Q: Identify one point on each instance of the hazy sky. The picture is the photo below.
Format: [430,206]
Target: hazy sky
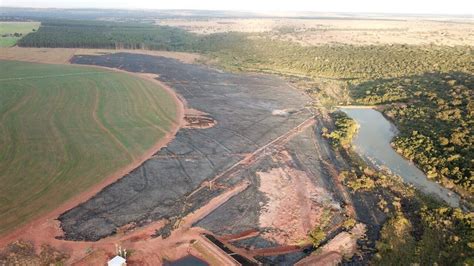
[385,6]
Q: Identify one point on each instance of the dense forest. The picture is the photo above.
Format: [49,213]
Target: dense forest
[116,35]
[345,62]
[443,236]
[96,34]
[419,230]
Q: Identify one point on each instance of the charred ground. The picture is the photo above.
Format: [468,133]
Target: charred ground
[242,105]
[248,141]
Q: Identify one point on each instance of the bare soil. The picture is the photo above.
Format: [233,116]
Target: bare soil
[292,205]
[360,31]
[64,55]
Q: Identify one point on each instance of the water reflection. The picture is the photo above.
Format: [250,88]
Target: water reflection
[372,143]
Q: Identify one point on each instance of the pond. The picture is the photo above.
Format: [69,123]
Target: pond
[372,143]
[186,261]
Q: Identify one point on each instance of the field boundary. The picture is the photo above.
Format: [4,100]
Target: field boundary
[92,191]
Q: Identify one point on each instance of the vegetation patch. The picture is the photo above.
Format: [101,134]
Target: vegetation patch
[447,238]
[344,61]
[24,253]
[65,128]
[319,233]
[345,129]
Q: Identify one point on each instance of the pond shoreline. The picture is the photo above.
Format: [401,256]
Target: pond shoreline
[373,143]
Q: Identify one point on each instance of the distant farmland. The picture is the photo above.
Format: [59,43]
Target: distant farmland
[11,32]
[65,128]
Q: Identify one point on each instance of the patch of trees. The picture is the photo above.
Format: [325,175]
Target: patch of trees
[319,233]
[357,182]
[419,230]
[345,129]
[446,238]
[364,178]
[435,115]
[16,35]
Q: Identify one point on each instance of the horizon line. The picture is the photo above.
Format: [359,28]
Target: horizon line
[466,15]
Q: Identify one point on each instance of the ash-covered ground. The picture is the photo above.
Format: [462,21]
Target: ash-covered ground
[242,105]
[292,182]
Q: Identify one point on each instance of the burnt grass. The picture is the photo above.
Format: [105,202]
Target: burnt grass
[242,106]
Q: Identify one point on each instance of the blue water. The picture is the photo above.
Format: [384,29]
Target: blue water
[372,143]
[187,261]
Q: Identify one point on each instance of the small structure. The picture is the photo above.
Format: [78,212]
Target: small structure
[117,261]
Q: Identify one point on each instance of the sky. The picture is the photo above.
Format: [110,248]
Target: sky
[372,6]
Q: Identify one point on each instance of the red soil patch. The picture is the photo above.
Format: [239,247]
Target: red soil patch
[242,235]
[294,203]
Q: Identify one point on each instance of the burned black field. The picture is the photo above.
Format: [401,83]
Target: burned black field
[263,127]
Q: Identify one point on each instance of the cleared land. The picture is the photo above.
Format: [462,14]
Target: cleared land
[321,31]
[65,128]
[63,55]
[8,29]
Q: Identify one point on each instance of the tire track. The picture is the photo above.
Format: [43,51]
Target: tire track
[119,144]
[51,76]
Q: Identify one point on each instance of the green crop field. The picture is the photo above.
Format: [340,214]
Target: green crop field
[65,128]
[8,29]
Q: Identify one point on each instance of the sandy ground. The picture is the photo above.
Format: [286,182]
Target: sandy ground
[63,55]
[38,55]
[188,58]
[336,31]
